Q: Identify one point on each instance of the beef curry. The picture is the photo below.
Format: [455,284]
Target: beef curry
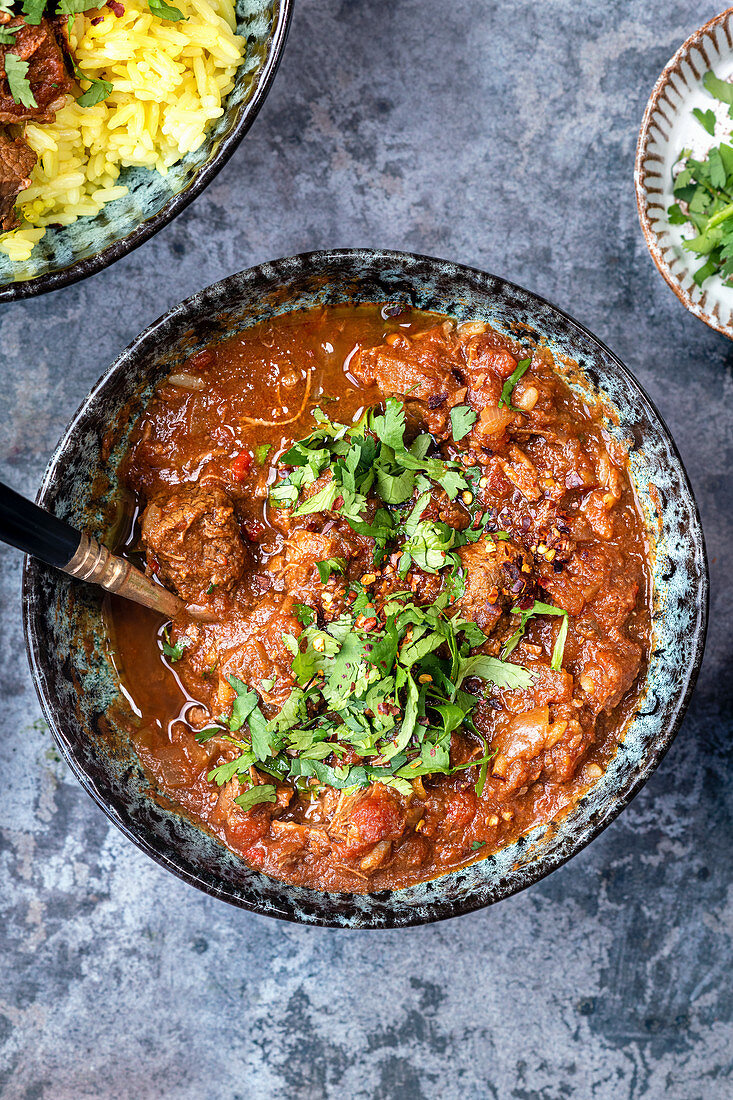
[420,585]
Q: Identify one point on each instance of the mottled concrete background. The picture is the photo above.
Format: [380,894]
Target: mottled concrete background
[502,135]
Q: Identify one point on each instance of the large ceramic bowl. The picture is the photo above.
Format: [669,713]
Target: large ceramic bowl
[69,647]
[70,253]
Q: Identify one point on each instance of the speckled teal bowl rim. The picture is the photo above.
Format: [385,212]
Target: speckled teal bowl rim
[226,147]
[678,644]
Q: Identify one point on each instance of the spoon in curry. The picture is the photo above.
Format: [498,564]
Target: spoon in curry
[34,531]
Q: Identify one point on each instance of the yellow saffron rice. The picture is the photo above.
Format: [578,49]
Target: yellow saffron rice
[169,81]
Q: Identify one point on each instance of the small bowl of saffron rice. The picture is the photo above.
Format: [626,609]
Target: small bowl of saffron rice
[110,175]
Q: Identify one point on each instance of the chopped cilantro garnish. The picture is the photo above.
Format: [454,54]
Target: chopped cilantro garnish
[202,736]
[97,92]
[370,454]
[719,89]
[174,652]
[7,35]
[538,608]
[392,694]
[706,119]
[32,11]
[331,565]
[462,420]
[383,681]
[508,387]
[703,191]
[166,11]
[475,844]
[263,792]
[261,452]
[73,7]
[20,88]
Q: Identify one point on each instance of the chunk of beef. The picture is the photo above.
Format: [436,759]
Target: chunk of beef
[248,645]
[531,745]
[497,574]
[193,537]
[419,370]
[366,824]
[44,48]
[486,363]
[609,670]
[295,570]
[16,164]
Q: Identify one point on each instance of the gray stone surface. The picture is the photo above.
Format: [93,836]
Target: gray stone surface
[502,135]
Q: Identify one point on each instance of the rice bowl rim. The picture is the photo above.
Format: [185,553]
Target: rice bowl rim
[91,265]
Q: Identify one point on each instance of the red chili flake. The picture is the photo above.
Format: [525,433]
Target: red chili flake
[338,502]
[97,21]
[241,465]
[116,8]
[154,565]
[525,603]
[254,530]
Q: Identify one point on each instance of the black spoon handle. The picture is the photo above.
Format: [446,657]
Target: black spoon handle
[31,529]
[37,532]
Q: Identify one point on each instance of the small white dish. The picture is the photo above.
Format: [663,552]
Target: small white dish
[668,127]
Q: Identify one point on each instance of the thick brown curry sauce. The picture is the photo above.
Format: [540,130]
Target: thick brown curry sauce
[552,479]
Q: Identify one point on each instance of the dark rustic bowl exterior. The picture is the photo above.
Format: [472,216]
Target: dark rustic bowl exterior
[68,254]
[67,639]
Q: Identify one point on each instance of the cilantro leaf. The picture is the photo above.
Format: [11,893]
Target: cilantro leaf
[502,674]
[428,545]
[706,119]
[263,792]
[20,88]
[7,35]
[719,89]
[329,566]
[174,652]
[320,501]
[244,703]
[98,91]
[33,11]
[395,488]
[539,608]
[166,11]
[202,736]
[508,387]
[73,7]
[390,428]
[303,613]
[462,419]
[224,773]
